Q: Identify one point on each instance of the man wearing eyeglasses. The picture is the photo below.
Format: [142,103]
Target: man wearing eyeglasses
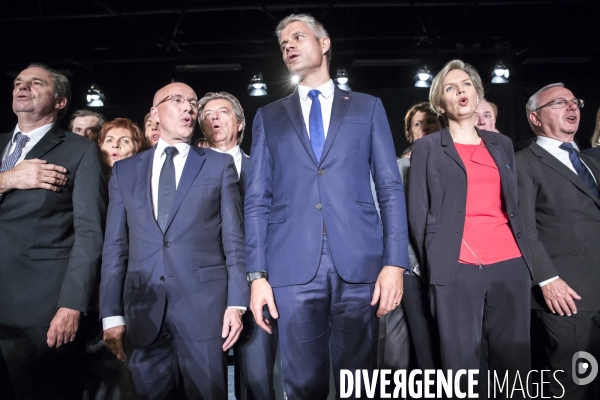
[173,271]
[560,205]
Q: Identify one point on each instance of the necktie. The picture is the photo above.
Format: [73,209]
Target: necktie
[315,124]
[581,169]
[166,187]
[10,161]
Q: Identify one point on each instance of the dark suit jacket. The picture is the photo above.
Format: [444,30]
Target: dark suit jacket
[562,224]
[243,182]
[198,263]
[593,152]
[290,194]
[437,198]
[51,242]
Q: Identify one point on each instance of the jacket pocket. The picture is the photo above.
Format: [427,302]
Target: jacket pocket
[49,253]
[278,214]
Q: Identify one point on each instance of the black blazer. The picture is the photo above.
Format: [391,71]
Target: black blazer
[437,198]
[562,224]
[593,152]
[51,242]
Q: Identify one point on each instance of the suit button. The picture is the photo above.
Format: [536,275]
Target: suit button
[319,206]
[321,171]
[167,244]
[512,215]
[518,235]
[162,278]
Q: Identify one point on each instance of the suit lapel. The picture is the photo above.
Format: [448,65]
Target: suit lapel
[144,185]
[4,140]
[491,145]
[448,147]
[193,164]
[341,101]
[565,171]
[244,174]
[51,139]
[292,107]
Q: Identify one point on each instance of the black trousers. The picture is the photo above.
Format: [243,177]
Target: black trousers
[38,372]
[493,302]
[562,337]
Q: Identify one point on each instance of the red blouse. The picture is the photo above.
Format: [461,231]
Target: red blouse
[486,232]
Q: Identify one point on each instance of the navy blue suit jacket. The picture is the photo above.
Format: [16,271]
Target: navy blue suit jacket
[290,195]
[198,263]
[437,198]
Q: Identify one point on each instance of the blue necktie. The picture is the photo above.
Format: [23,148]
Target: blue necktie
[315,124]
[11,160]
[166,187]
[581,169]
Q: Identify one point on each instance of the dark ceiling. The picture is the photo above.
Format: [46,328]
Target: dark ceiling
[131,48]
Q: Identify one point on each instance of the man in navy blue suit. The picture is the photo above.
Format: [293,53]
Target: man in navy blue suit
[173,261]
[318,255]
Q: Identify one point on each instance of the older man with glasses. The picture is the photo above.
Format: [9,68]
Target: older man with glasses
[560,205]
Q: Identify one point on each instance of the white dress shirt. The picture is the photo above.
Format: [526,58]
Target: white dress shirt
[34,137]
[236,153]
[552,146]
[326,100]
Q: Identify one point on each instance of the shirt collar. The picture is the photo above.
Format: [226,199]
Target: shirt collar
[182,148]
[235,152]
[326,90]
[35,134]
[546,142]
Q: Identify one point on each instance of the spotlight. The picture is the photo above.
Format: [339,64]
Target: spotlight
[295,79]
[257,86]
[500,74]
[423,78]
[341,79]
[95,97]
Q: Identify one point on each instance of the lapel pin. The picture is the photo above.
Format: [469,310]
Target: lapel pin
[346,97]
[507,166]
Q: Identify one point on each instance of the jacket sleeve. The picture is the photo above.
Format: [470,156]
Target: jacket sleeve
[418,197]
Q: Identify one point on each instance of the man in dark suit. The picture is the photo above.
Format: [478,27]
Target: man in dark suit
[222,121]
[173,266]
[315,244]
[52,213]
[558,198]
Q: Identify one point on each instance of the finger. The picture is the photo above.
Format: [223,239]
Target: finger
[261,322]
[48,186]
[272,307]
[229,340]
[376,292]
[36,161]
[51,336]
[550,306]
[574,294]
[226,328]
[560,306]
[52,167]
[572,308]
[121,355]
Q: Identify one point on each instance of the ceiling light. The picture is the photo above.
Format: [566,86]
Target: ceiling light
[423,78]
[95,97]
[341,79]
[500,74]
[257,86]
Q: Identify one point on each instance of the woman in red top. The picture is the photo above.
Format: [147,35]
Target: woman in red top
[468,232]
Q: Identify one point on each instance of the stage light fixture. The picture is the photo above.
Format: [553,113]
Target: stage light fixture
[423,78]
[95,97]
[257,86]
[341,79]
[500,74]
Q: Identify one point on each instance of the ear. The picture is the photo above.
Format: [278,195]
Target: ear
[60,103]
[325,44]
[535,118]
[154,114]
[240,125]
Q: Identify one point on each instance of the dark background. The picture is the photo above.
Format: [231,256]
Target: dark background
[132,48]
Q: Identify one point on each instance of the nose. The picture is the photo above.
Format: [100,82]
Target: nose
[572,105]
[480,121]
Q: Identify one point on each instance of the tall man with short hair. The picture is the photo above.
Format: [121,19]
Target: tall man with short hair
[52,214]
[560,205]
[87,123]
[173,264]
[222,121]
[318,254]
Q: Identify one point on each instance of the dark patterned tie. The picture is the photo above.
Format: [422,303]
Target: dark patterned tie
[581,169]
[315,124]
[10,161]
[166,187]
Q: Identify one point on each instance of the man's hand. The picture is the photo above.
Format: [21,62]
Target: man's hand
[388,290]
[63,327]
[559,297]
[33,174]
[262,294]
[114,338]
[232,327]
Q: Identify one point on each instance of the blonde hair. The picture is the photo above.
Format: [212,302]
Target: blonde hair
[596,135]
[435,93]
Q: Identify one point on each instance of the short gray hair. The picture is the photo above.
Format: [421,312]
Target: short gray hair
[534,103]
[315,26]
[435,93]
[235,103]
[87,113]
[62,86]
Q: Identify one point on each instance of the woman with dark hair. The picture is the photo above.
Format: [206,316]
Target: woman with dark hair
[119,139]
[468,233]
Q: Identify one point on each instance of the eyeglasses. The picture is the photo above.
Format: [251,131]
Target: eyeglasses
[179,100]
[562,103]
